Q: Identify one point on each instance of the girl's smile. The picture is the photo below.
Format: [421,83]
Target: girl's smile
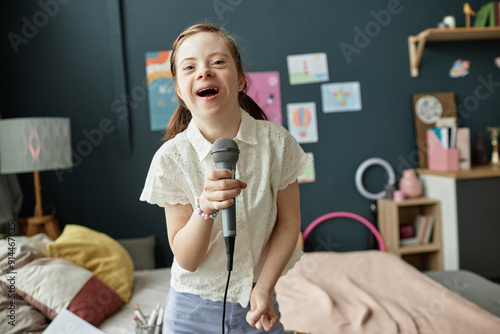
[209,92]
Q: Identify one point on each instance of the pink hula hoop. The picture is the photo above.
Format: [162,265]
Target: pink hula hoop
[340,214]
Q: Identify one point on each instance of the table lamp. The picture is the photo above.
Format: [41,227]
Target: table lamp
[35,145]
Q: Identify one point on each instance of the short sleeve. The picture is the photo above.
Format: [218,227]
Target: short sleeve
[294,161]
[162,184]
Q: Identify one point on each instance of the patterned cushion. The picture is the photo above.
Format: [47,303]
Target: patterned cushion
[99,253]
[51,285]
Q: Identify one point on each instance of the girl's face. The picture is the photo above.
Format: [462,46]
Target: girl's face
[207,79]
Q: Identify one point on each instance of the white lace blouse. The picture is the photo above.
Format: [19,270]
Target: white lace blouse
[270,159]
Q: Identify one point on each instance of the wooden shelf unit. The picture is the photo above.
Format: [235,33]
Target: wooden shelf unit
[416,44]
[391,215]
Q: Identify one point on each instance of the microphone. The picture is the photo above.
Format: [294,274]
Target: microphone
[225,153]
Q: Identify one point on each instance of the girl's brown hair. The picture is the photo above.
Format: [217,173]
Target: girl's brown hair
[182,116]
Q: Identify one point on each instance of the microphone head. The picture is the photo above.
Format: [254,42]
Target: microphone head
[225,150]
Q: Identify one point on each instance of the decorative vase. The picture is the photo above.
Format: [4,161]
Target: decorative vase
[410,184]
[479,155]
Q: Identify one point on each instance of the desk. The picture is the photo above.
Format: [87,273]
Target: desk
[470,207]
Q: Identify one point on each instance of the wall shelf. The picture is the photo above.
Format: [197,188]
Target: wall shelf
[416,44]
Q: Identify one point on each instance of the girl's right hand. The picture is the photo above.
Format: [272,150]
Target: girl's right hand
[219,190]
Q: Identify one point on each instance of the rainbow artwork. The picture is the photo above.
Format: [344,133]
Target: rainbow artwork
[302,121]
[161,91]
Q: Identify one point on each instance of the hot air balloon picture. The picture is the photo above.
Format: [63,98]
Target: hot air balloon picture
[342,96]
[302,122]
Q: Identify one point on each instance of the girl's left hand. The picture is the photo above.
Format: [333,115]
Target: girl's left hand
[262,314]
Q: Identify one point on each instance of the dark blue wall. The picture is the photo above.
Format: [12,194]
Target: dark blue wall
[63,67]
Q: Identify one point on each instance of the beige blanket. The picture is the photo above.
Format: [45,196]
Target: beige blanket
[373,292]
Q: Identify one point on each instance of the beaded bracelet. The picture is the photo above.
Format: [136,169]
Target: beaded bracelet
[201,213]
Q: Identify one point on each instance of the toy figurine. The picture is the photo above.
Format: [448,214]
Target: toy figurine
[468,12]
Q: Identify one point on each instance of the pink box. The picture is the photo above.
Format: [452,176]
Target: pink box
[440,158]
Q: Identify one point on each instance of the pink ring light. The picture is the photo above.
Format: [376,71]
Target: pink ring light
[354,216]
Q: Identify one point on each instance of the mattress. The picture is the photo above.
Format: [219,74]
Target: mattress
[477,289]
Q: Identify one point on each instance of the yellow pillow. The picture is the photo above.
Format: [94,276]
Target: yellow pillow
[99,253]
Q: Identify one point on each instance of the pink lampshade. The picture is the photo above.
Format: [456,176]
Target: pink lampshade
[34,144]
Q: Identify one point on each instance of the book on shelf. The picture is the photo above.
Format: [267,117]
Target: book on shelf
[463,146]
[413,241]
[488,15]
[428,227]
[423,226]
[447,136]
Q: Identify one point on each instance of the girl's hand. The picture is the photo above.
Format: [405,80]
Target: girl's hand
[219,191]
[262,314]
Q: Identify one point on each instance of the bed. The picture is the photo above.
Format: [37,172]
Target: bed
[326,292]
[345,301]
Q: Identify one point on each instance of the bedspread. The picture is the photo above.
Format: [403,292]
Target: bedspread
[373,292]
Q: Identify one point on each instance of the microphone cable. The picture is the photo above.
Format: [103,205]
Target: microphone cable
[224,305]
[229,253]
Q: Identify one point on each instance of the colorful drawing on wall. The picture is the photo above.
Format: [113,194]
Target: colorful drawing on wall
[309,174]
[265,89]
[307,68]
[341,96]
[302,122]
[161,91]
[459,69]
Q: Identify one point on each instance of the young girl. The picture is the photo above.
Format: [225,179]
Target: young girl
[210,85]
